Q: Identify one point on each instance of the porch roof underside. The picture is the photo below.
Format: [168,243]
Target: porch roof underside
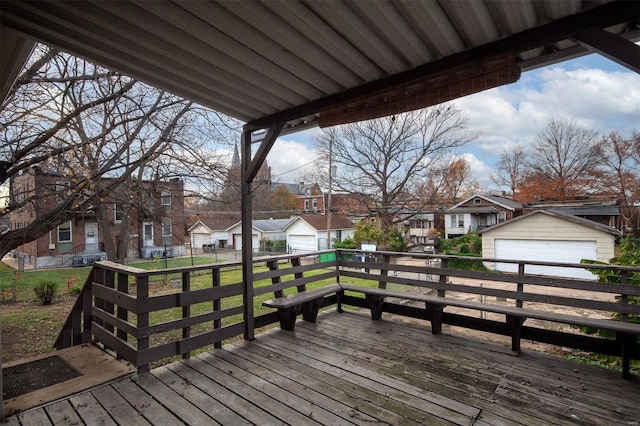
[305,63]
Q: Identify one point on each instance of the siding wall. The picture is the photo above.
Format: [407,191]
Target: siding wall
[544,227]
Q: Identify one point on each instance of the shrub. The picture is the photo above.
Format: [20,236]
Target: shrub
[395,241]
[75,290]
[347,243]
[45,291]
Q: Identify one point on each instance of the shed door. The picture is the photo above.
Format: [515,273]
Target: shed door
[302,243]
[237,242]
[546,251]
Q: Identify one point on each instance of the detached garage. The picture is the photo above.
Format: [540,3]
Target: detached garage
[549,236]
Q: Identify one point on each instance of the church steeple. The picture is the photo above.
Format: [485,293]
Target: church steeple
[235,163]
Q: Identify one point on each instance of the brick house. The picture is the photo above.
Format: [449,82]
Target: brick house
[311,199]
[156,219]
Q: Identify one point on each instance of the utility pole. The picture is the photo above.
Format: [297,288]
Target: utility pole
[328,206]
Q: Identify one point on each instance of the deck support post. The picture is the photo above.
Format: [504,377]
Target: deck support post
[249,170]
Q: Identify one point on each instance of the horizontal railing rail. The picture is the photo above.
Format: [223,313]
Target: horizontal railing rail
[148,316]
[549,298]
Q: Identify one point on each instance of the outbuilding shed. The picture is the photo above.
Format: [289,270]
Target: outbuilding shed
[309,233]
[549,236]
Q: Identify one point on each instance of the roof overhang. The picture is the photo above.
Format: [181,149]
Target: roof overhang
[303,63]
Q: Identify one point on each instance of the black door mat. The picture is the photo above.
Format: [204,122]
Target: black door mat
[31,376]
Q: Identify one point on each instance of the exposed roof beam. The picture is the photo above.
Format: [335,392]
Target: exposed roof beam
[603,16]
[569,53]
[14,52]
[611,46]
[263,150]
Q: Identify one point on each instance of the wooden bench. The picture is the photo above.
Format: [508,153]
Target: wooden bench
[307,302]
[626,332]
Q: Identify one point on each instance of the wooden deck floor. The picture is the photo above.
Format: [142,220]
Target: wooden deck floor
[346,369]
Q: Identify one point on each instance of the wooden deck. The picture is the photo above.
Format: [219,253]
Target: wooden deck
[347,369]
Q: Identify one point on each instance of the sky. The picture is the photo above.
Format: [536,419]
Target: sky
[593,91]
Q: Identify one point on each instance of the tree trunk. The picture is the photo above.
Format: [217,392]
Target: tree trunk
[105,227]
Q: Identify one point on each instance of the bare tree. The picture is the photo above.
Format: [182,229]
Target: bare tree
[380,159]
[510,170]
[564,154]
[619,173]
[101,131]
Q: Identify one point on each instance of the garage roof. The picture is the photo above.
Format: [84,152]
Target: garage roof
[305,62]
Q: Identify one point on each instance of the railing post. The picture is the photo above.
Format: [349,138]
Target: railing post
[386,259]
[624,298]
[520,288]
[99,278]
[123,314]
[443,278]
[186,310]
[337,264]
[295,262]
[142,286]
[217,324]
[109,282]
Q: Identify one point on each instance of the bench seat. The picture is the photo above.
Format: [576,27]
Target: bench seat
[307,302]
[626,332]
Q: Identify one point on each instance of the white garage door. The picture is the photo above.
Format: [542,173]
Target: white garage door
[546,251]
[302,243]
[200,239]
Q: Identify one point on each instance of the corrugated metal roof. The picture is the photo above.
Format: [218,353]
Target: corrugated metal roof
[271,225]
[254,60]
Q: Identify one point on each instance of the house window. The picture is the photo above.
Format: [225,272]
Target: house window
[476,201]
[117,212]
[166,232]
[64,232]
[166,198]
[62,188]
[315,204]
[306,205]
[502,217]
[454,220]
[461,221]
[166,228]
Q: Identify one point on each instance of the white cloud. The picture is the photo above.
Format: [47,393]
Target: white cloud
[288,158]
[480,171]
[514,115]
[604,100]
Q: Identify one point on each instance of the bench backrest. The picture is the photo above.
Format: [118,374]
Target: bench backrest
[521,289]
[288,272]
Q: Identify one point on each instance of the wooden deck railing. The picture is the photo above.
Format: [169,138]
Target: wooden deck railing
[146,316]
[481,299]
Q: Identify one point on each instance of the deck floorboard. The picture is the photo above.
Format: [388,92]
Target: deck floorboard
[346,369]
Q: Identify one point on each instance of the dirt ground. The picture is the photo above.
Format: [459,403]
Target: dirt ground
[34,327]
